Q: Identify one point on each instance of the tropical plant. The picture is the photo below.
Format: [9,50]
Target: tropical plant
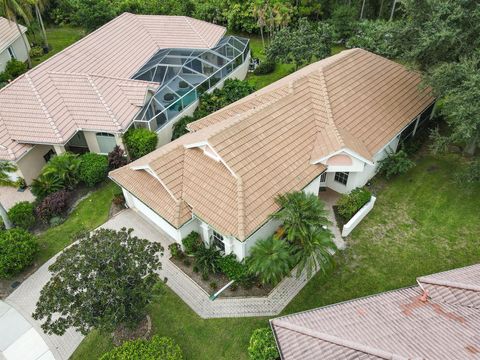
[140,142]
[39,6]
[343,21]
[53,205]
[104,280]
[93,168]
[6,167]
[315,252]
[12,10]
[299,212]
[157,348]
[206,259]
[175,250]
[116,158]
[262,345]
[17,250]
[395,163]
[302,44]
[192,242]
[349,204]
[270,259]
[233,269]
[45,184]
[64,167]
[22,215]
[14,68]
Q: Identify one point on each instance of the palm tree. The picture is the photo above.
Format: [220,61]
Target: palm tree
[12,9]
[270,260]
[6,167]
[299,212]
[4,216]
[39,6]
[64,167]
[363,8]
[260,12]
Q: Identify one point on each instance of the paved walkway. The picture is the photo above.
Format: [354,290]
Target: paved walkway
[24,299]
[192,293]
[9,196]
[330,198]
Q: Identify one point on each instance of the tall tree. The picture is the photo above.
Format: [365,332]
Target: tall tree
[12,10]
[39,6]
[260,13]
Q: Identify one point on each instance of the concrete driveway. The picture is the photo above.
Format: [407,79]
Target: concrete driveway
[9,196]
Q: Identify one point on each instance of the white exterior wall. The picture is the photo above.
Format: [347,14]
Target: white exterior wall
[19,51]
[92,142]
[30,164]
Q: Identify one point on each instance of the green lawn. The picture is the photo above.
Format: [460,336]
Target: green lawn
[59,38]
[89,214]
[423,222]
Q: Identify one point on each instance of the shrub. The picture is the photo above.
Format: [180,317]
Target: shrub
[265,67]
[157,348]
[64,168]
[116,158]
[140,142]
[233,269]
[270,260]
[262,345]
[395,164]
[206,259]
[46,184]
[22,215]
[15,68]
[119,200]
[344,21]
[180,127]
[93,168]
[205,276]
[52,205]
[36,52]
[192,243]
[213,285]
[175,250]
[349,204]
[17,250]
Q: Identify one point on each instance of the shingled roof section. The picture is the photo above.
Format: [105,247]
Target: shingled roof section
[400,324]
[269,142]
[8,33]
[87,86]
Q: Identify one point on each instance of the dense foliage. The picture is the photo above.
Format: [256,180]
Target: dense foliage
[93,168]
[17,250]
[233,269]
[262,345]
[344,22]
[232,90]
[395,163]
[6,168]
[53,205]
[191,243]
[377,36]
[207,259]
[349,204]
[157,348]
[140,142]
[116,158]
[13,69]
[302,44]
[104,280]
[22,215]
[265,67]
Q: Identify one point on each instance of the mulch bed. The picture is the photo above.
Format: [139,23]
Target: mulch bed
[142,331]
[220,280]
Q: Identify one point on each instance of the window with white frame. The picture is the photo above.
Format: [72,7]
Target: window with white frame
[11,53]
[341,177]
[217,241]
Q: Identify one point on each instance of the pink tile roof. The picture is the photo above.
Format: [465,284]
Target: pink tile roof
[87,85]
[399,324]
[8,33]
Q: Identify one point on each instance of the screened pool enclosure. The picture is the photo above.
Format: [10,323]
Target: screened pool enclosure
[184,74]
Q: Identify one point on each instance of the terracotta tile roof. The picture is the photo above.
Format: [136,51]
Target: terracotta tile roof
[267,143]
[8,33]
[399,324]
[87,86]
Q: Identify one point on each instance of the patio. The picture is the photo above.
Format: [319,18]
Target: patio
[9,196]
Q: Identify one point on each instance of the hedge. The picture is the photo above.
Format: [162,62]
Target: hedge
[93,168]
[140,142]
[158,348]
[262,345]
[349,204]
[17,250]
[22,215]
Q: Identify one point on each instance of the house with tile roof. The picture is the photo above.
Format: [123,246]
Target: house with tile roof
[437,320]
[11,43]
[326,125]
[137,70]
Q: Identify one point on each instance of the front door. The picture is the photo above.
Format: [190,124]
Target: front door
[323,181]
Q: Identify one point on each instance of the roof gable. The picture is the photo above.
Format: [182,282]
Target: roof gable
[9,33]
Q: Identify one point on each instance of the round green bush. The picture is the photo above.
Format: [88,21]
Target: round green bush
[262,345]
[36,52]
[349,204]
[22,215]
[265,67]
[17,250]
[140,142]
[158,348]
[93,168]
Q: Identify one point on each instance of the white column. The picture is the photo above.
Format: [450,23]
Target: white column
[228,245]
[59,149]
[416,125]
[205,233]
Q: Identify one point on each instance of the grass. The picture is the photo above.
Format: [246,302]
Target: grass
[423,222]
[59,38]
[89,214]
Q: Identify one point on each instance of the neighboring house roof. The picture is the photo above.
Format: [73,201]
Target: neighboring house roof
[87,86]
[269,142]
[8,33]
[401,324]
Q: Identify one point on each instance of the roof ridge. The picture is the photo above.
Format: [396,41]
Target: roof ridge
[105,105]
[101,76]
[44,107]
[339,341]
[187,19]
[137,20]
[240,208]
[428,279]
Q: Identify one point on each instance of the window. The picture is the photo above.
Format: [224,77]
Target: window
[341,177]
[106,142]
[11,53]
[49,155]
[217,241]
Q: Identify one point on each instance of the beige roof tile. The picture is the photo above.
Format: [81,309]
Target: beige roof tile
[268,141]
[399,324]
[8,33]
[87,86]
